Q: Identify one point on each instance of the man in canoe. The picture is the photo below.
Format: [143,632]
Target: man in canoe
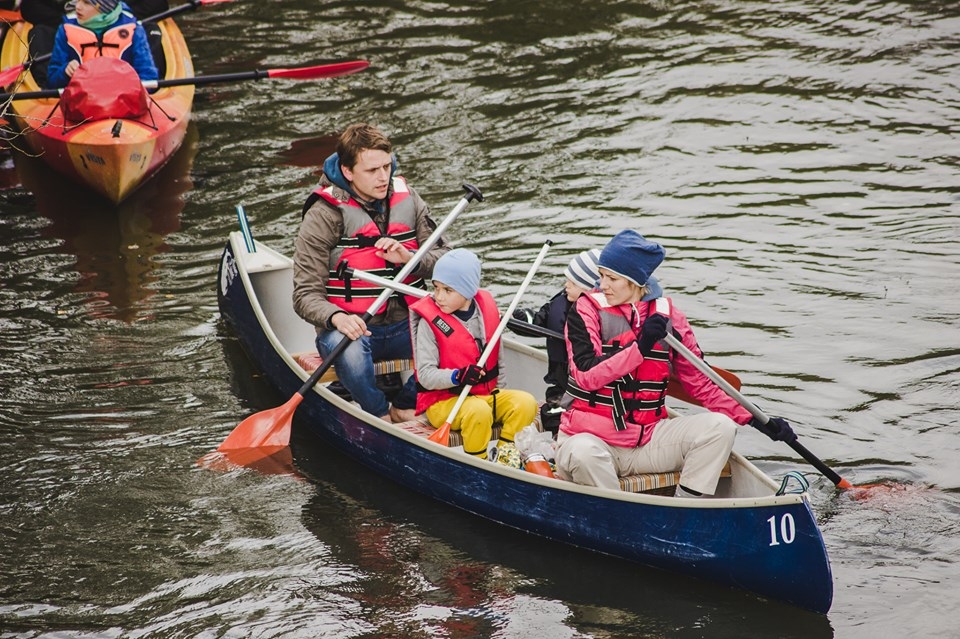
[101,28]
[364,214]
[616,424]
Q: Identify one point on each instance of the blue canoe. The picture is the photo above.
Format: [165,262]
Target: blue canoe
[747,537]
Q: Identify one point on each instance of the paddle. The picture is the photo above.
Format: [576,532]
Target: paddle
[271,428]
[674,388]
[301,73]
[12,73]
[674,343]
[442,434]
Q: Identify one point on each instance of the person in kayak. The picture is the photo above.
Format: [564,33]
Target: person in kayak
[582,277]
[451,329]
[365,214]
[616,423]
[46,16]
[101,28]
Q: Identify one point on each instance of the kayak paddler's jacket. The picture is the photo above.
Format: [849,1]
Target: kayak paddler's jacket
[443,343]
[602,351]
[319,246]
[125,39]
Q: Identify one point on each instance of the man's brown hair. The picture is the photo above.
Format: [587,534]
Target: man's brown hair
[358,137]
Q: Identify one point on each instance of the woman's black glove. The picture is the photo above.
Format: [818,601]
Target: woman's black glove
[469,375]
[776,429]
[654,329]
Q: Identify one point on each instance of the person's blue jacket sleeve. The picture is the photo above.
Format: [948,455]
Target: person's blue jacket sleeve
[61,55]
[140,57]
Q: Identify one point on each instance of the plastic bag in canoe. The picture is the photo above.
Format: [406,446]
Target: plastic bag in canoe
[103,88]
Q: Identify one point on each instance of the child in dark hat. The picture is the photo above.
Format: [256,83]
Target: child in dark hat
[582,276]
[450,331]
[99,28]
[616,423]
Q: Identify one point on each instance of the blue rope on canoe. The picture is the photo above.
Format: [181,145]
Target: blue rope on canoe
[800,479]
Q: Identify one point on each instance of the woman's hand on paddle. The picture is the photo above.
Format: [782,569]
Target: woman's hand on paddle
[654,329]
[350,325]
[393,251]
[777,429]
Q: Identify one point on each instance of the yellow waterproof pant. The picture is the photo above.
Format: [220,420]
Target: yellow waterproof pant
[476,417]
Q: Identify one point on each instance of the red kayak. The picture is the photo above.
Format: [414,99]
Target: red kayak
[112,148]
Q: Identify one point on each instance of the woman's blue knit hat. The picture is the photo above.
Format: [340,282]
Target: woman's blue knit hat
[632,256]
[460,270]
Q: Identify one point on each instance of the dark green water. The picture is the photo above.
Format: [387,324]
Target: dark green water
[798,160]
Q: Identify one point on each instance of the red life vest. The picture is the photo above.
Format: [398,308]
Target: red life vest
[356,246]
[111,44]
[458,348]
[636,401]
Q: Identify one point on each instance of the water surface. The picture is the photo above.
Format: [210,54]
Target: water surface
[797,159]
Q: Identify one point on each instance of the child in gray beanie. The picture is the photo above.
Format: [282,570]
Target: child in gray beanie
[450,331]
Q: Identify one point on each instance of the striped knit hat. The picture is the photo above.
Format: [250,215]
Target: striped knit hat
[582,270]
[105,6]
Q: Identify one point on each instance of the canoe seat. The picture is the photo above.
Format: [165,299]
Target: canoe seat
[659,483]
[422,428]
[311,361]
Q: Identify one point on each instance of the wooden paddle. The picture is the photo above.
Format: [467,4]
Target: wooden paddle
[301,73]
[271,428]
[674,343]
[442,434]
[674,388]
[12,73]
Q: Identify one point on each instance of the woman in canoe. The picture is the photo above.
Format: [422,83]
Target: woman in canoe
[616,424]
[582,277]
[101,28]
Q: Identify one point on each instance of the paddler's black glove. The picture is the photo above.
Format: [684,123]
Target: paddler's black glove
[776,429]
[523,315]
[468,375]
[654,329]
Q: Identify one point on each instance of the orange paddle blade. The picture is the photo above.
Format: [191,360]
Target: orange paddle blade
[266,428]
[268,460]
[321,71]
[676,390]
[441,435]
